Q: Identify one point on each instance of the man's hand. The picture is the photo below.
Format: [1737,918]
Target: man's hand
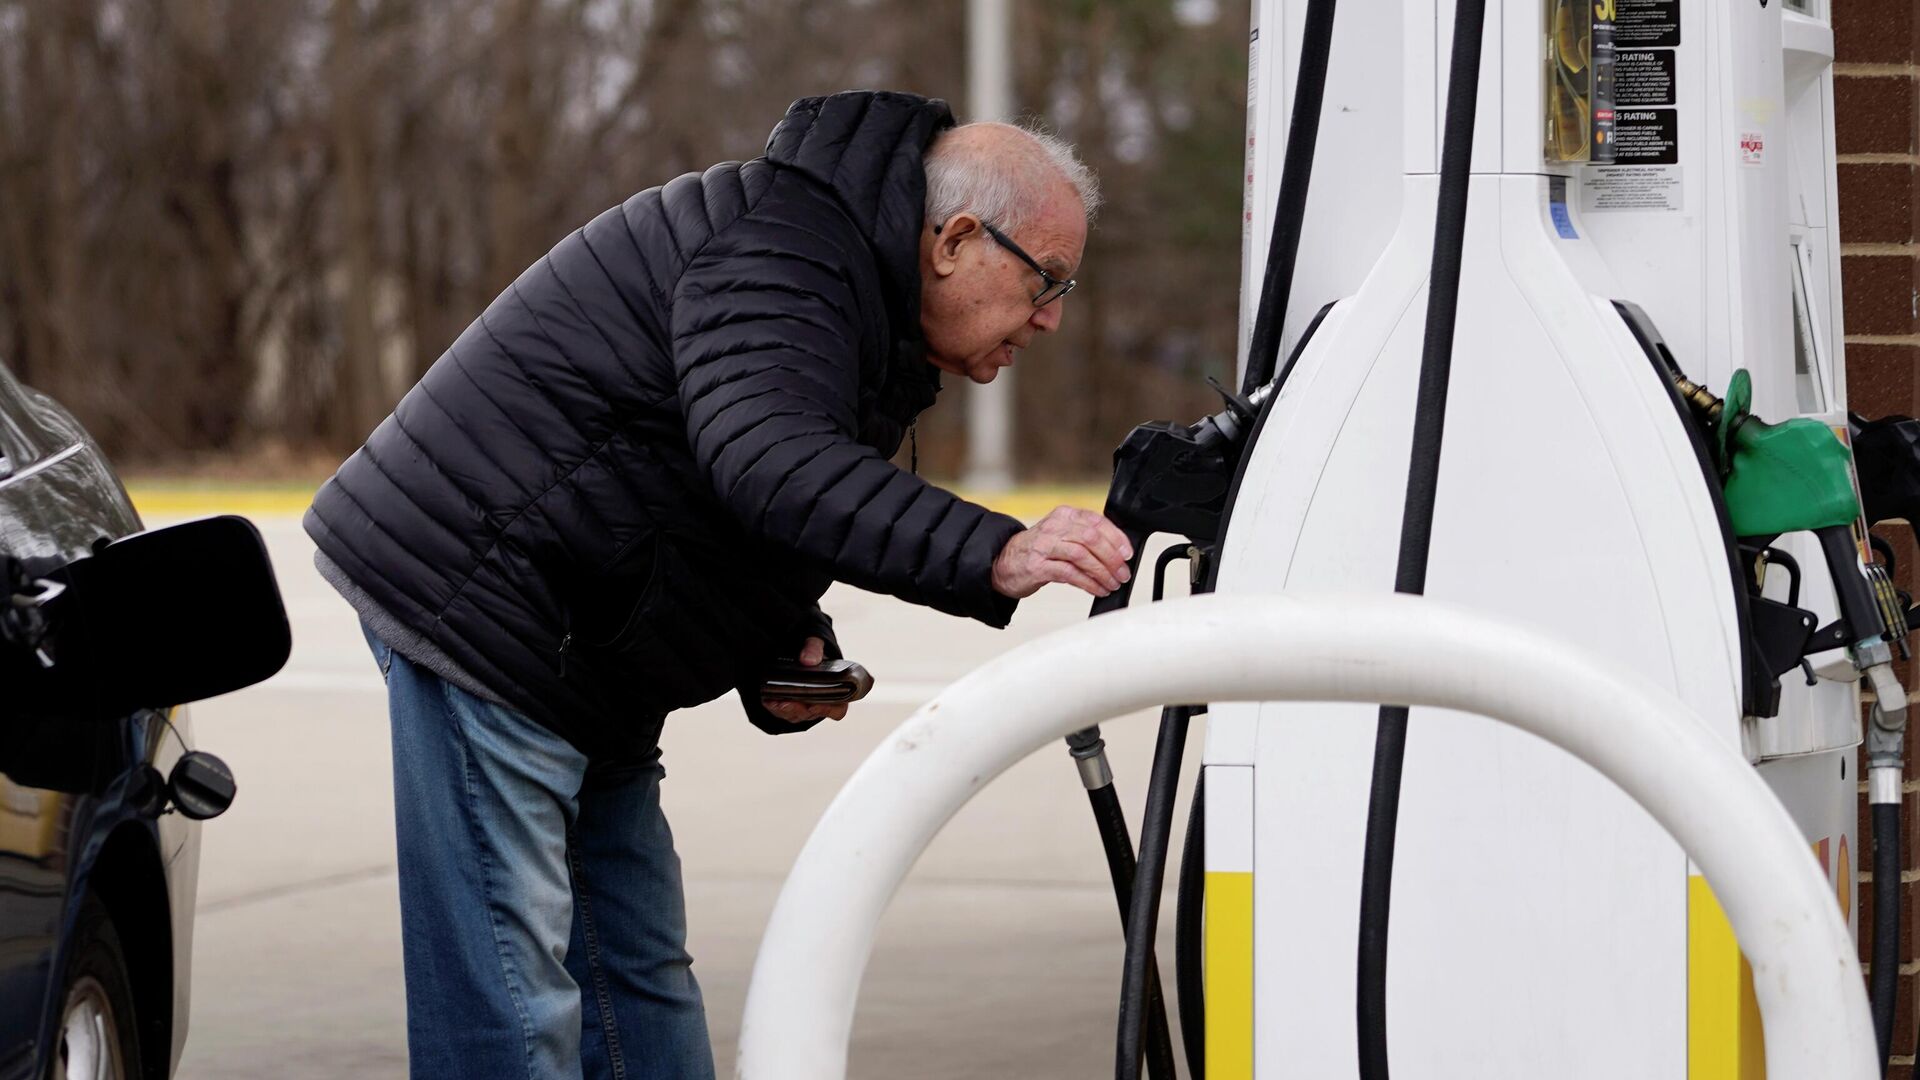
[799,712]
[1077,547]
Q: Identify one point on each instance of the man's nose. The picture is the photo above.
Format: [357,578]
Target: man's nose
[1046,318]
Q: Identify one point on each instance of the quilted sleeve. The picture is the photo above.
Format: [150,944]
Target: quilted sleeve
[766,356]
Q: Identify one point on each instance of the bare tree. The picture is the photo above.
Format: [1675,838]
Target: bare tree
[224,222]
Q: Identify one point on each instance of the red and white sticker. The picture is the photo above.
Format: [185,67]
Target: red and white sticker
[1753,148]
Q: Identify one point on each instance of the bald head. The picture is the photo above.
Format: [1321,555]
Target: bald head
[1003,173]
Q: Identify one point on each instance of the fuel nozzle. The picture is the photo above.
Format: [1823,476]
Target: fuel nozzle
[1887,456]
[1872,653]
[1174,478]
[1701,400]
[1797,476]
[1233,423]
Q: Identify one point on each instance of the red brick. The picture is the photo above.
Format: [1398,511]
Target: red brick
[1909,895]
[1876,203]
[1880,204]
[1873,31]
[1874,114]
[1906,555]
[1879,291]
[1903,1026]
[1881,378]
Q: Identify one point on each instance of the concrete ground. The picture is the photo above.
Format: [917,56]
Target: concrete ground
[1000,957]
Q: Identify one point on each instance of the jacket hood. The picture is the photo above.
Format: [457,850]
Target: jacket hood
[866,147]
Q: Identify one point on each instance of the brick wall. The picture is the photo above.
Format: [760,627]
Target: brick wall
[1876,103]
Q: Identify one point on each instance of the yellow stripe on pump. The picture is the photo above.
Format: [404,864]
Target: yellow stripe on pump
[1229,975]
[1723,1017]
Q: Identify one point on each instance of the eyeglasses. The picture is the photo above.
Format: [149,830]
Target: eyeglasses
[1054,288]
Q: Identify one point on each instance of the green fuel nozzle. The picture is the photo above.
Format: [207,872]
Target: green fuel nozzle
[1797,476]
[1788,477]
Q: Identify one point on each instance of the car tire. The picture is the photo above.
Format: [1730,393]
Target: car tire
[96,1034]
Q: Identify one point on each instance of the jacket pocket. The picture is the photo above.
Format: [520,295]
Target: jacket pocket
[683,631]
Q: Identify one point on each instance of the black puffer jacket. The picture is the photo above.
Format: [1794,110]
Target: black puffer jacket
[626,485]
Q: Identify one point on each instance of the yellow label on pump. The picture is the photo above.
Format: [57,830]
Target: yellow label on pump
[1723,1016]
[1229,949]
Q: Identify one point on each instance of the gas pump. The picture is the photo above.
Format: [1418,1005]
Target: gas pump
[1651,197]
[1566,354]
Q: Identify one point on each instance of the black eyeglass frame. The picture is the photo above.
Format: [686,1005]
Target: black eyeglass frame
[1054,288]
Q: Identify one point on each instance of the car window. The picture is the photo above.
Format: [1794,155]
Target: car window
[18,447]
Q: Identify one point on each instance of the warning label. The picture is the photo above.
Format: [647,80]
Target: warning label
[1646,23]
[1642,77]
[1608,188]
[1646,136]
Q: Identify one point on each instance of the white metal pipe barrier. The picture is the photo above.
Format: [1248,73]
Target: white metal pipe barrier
[1380,648]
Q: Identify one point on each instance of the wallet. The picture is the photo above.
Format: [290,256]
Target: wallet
[831,683]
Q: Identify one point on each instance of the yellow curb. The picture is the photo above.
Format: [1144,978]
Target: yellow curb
[1033,503]
[163,501]
[177,501]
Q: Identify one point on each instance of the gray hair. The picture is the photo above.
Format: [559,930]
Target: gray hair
[1002,185]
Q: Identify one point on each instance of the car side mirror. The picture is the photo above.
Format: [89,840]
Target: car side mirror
[156,619]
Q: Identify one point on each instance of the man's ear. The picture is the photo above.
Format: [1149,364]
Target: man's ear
[948,238]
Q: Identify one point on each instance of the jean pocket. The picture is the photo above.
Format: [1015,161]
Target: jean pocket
[382,652]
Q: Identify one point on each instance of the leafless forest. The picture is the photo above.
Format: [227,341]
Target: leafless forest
[239,229]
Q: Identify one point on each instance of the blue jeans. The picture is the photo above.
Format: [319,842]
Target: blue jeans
[541,913]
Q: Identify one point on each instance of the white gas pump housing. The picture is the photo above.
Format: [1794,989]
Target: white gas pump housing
[1539,915]
[806,979]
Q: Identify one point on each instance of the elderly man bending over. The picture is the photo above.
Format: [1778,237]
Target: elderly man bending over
[623,490]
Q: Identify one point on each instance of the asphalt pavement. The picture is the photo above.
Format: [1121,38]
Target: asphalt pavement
[1000,956]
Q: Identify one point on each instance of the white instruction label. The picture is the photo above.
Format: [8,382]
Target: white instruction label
[1641,188]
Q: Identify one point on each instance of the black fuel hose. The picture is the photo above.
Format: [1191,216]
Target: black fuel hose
[1189,985]
[1142,1010]
[1885,977]
[1416,522]
[1140,971]
[1276,286]
[1121,867]
[1089,749]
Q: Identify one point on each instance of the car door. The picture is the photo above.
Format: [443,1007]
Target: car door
[57,497]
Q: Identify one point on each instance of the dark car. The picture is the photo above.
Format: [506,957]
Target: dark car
[105,630]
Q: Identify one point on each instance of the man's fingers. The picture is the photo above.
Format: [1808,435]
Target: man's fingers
[1100,542]
[1089,563]
[799,712]
[1102,536]
[1068,574]
[1110,534]
[1070,546]
[814,651]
